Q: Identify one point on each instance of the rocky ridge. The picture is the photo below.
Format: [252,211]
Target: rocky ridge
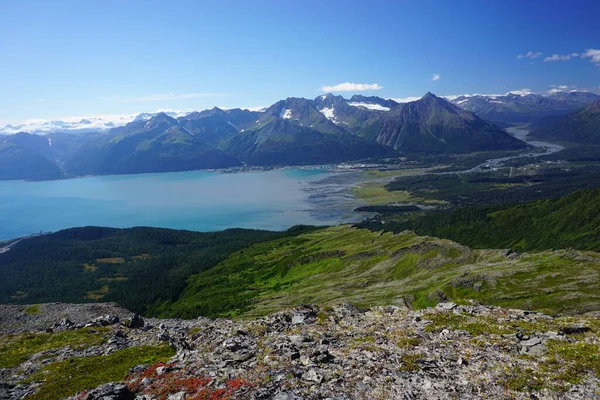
[467,351]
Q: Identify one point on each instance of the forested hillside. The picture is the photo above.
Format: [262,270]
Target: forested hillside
[571,221]
[135,267]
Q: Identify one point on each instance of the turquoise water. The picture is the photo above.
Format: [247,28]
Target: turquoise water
[195,200]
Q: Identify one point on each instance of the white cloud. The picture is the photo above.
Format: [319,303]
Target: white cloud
[565,88]
[530,54]
[351,87]
[560,88]
[556,57]
[404,99]
[521,92]
[162,97]
[435,77]
[593,54]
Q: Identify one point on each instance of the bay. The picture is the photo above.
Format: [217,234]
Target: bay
[194,200]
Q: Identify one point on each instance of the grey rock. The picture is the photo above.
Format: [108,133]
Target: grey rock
[286,396]
[575,328]
[138,368]
[146,381]
[177,396]
[447,306]
[530,342]
[535,350]
[109,391]
[242,356]
[136,321]
[162,370]
[312,376]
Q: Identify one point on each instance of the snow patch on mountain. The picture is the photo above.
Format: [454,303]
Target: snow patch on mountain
[329,113]
[370,106]
[285,113]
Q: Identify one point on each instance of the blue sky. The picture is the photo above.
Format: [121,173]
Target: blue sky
[65,57]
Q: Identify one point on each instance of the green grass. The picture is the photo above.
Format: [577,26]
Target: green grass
[565,364]
[409,362]
[476,326]
[33,310]
[66,378]
[16,349]
[373,193]
[346,264]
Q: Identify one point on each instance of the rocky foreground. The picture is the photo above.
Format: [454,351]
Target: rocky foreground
[452,351]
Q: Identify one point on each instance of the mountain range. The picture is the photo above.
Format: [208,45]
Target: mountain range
[294,131]
[512,109]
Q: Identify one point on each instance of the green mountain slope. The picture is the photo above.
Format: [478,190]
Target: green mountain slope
[240,273]
[345,264]
[158,145]
[570,221]
[434,125]
[293,131]
[582,127]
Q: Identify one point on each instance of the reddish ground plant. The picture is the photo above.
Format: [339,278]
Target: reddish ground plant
[175,381]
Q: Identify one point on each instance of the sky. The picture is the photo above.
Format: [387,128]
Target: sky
[63,58]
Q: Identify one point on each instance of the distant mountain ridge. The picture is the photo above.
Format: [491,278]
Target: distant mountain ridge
[294,131]
[160,144]
[509,108]
[518,109]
